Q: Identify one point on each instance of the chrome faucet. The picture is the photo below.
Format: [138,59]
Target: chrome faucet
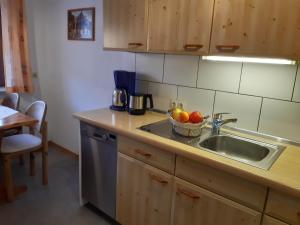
[218,122]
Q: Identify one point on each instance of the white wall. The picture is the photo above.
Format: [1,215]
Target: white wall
[74,75]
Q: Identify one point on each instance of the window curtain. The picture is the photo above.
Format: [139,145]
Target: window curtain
[17,66]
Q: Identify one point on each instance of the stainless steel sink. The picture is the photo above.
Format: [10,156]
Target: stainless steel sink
[251,152]
[248,151]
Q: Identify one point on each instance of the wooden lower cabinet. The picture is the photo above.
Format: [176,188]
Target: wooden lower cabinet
[144,193]
[196,206]
[271,221]
[283,207]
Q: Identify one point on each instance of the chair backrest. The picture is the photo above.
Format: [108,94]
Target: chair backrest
[38,111]
[12,101]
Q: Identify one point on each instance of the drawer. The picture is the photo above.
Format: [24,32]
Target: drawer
[284,207]
[271,221]
[151,155]
[225,184]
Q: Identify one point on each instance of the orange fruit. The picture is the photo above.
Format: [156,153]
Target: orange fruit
[184,117]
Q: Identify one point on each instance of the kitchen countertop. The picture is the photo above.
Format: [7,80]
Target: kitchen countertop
[284,175]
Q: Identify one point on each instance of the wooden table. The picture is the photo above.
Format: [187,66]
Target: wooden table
[10,119]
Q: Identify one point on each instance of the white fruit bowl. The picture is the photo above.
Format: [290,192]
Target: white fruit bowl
[187,129]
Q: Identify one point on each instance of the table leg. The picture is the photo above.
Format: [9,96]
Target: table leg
[8,183]
[17,191]
[45,154]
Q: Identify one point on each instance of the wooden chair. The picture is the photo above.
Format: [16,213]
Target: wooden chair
[18,145]
[12,101]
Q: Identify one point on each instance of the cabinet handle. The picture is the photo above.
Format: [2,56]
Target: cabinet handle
[135,45]
[187,193]
[158,179]
[142,153]
[227,48]
[298,214]
[192,48]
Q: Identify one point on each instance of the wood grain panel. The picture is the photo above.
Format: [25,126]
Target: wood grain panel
[148,154]
[17,65]
[180,25]
[284,207]
[235,188]
[2,80]
[144,194]
[256,28]
[197,206]
[126,24]
[271,221]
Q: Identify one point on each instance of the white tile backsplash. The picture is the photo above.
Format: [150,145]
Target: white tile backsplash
[223,76]
[141,86]
[273,81]
[296,96]
[245,108]
[163,95]
[181,70]
[150,67]
[196,99]
[236,86]
[280,118]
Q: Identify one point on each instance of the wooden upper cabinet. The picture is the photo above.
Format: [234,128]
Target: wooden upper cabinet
[196,206]
[126,24]
[269,28]
[180,25]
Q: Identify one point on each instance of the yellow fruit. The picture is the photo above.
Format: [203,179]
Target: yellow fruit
[175,114]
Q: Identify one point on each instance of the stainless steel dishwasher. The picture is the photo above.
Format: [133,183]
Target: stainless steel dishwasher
[99,168]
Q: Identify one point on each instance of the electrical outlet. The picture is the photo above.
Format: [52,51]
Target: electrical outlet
[180,105]
[176,104]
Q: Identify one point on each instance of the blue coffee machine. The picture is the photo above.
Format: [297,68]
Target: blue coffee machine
[125,86]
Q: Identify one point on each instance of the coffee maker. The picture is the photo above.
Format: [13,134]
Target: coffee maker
[124,87]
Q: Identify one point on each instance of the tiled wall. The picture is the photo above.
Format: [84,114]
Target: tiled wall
[264,98]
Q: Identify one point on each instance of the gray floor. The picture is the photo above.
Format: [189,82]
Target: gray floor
[55,204]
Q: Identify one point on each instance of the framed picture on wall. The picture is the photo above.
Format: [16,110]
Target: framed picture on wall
[81,24]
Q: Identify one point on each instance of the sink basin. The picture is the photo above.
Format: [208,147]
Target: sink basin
[236,148]
[252,152]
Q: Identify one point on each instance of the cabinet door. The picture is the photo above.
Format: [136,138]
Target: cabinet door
[180,25]
[125,24]
[284,207]
[144,194]
[256,28]
[271,221]
[197,206]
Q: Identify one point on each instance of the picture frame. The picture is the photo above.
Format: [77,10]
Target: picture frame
[81,24]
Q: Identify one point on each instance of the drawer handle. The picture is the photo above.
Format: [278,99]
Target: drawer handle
[227,48]
[158,179]
[135,45]
[187,193]
[142,153]
[192,48]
